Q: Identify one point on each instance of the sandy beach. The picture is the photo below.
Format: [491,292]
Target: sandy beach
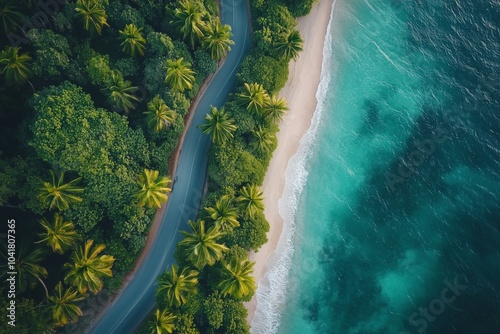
[300,92]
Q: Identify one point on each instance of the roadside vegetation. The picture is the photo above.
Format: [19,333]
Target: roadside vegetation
[92,104]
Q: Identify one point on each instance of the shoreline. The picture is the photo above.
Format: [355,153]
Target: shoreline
[300,93]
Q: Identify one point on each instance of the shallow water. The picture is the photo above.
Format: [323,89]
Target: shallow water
[392,203]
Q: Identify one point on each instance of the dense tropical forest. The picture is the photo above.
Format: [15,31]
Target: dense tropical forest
[93,100]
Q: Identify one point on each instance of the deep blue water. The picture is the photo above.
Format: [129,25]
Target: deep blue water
[397,220]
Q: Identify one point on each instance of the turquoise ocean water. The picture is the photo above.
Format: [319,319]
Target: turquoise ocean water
[392,203]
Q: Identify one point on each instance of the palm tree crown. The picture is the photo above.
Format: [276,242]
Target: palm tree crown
[28,268]
[14,66]
[224,214]
[253,98]
[201,247]
[238,280]
[289,46]
[190,20]
[120,92]
[132,40]
[159,115]
[275,108]
[250,200]
[177,287]
[64,308]
[219,125]
[153,188]
[162,323]
[93,15]
[218,39]
[180,76]
[10,15]
[262,141]
[87,268]
[60,236]
[59,194]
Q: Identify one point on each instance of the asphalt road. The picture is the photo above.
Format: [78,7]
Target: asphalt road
[137,299]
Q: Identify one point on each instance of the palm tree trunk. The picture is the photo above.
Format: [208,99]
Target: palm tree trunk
[44,286]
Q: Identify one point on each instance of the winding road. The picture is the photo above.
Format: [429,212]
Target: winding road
[137,299]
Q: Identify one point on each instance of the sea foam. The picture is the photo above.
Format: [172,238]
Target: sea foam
[272,290]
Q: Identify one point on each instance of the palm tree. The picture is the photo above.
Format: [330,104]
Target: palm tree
[59,194]
[189,17]
[154,188]
[27,266]
[87,268]
[275,108]
[93,15]
[64,307]
[237,278]
[218,39]
[120,92]
[250,200]
[200,247]
[159,115]
[180,76]
[15,66]
[224,214]
[218,125]
[60,236]
[262,141]
[132,40]
[162,323]
[10,15]
[177,287]
[289,46]
[254,98]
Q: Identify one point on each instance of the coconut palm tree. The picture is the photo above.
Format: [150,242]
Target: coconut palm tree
[201,247]
[93,15]
[180,76]
[289,46]
[27,266]
[237,278]
[64,307]
[263,140]
[250,200]
[162,323]
[14,66]
[218,125]
[159,115]
[120,92]
[275,108]
[218,39]
[153,188]
[60,236]
[132,40]
[177,287]
[87,268]
[189,18]
[253,98]
[224,214]
[59,194]
[10,15]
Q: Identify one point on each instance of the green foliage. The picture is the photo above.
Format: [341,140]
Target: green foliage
[179,76]
[253,98]
[98,69]
[190,18]
[203,65]
[153,188]
[120,92]
[10,16]
[289,46]
[159,115]
[35,319]
[60,195]
[232,166]
[122,14]
[237,279]
[127,67]
[163,322]
[299,7]
[175,286]
[218,39]
[271,73]
[63,304]
[184,324]
[251,234]
[52,53]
